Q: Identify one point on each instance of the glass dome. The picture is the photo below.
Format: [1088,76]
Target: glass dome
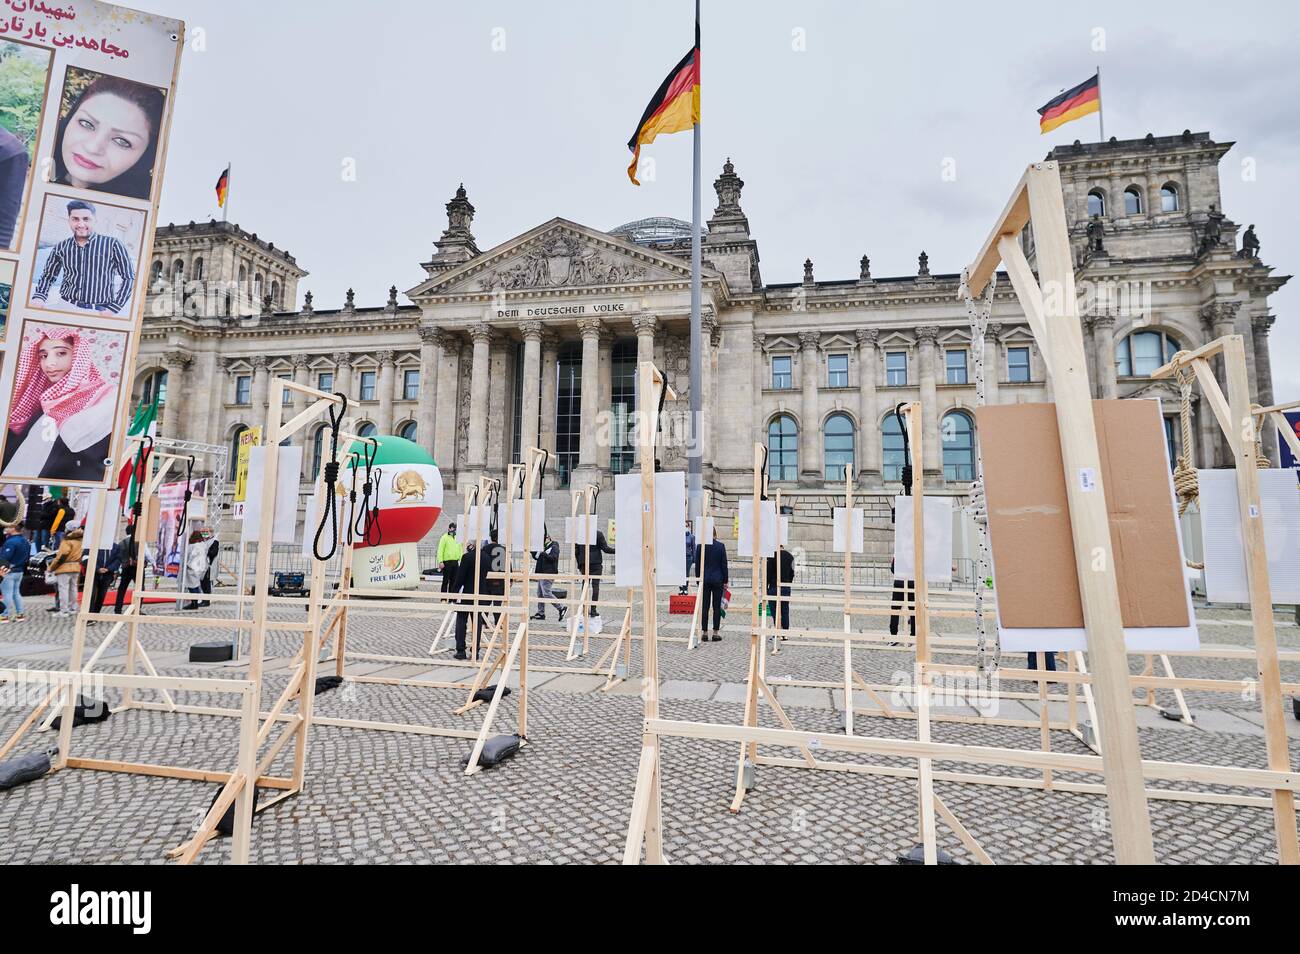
[656,230]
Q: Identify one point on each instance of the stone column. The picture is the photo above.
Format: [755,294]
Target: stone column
[1259,326]
[928,346]
[549,384]
[645,327]
[759,382]
[710,338]
[1103,336]
[299,403]
[869,437]
[261,388]
[590,329]
[481,334]
[809,425]
[443,442]
[176,363]
[426,408]
[1222,318]
[301,376]
[529,406]
[604,432]
[343,383]
[384,385]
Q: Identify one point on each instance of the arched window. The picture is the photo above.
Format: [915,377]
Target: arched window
[893,458]
[1169,197]
[1138,355]
[243,275]
[178,271]
[318,450]
[407,431]
[275,293]
[198,269]
[837,446]
[958,446]
[155,274]
[155,385]
[783,448]
[1173,432]
[233,463]
[1132,201]
[368,429]
[1096,203]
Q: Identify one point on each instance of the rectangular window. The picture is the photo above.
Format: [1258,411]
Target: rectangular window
[243,389]
[837,371]
[288,395]
[1018,365]
[782,372]
[895,368]
[568,412]
[368,385]
[411,385]
[623,407]
[325,382]
[956,365]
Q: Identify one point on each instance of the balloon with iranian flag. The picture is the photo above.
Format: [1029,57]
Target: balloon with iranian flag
[407,489]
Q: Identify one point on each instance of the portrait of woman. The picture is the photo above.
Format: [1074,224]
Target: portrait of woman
[64,400]
[107,137]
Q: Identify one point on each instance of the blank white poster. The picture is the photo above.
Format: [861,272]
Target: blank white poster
[286,495]
[1225,558]
[581,529]
[766,528]
[853,532]
[938,539]
[670,529]
[783,529]
[474,526]
[536,535]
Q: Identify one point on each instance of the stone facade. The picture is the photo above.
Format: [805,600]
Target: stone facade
[530,341]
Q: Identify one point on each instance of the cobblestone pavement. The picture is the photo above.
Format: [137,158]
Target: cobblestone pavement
[390,797]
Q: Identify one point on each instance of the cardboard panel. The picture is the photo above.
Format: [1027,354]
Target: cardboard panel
[581,529]
[1029,521]
[517,524]
[286,496]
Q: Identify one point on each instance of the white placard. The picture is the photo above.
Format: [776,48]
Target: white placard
[856,533]
[1225,559]
[670,529]
[517,524]
[783,526]
[938,539]
[474,526]
[286,495]
[103,536]
[766,528]
[705,534]
[581,530]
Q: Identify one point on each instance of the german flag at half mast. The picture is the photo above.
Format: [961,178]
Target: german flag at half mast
[1073,103]
[674,107]
[223,187]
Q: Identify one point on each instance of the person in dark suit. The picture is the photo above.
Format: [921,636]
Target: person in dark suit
[581,554]
[107,564]
[129,562]
[713,558]
[492,560]
[786,578]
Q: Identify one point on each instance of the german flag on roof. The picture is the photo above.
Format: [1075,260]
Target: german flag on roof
[674,107]
[1073,103]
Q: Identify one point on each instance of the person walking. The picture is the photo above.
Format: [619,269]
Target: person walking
[130,561]
[196,564]
[107,563]
[591,563]
[491,560]
[214,551]
[449,553]
[713,557]
[66,567]
[690,556]
[786,578]
[548,561]
[13,559]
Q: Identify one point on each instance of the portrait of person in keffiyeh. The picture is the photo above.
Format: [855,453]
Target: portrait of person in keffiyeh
[60,421]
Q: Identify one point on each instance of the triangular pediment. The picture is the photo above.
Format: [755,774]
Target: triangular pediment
[557,256]
[1165,390]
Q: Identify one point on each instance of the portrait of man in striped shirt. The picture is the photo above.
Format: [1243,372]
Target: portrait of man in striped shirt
[94,271]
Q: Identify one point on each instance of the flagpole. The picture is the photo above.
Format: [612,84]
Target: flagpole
[694,470]
[1101,120]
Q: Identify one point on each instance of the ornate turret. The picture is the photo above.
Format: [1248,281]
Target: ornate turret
[456,244]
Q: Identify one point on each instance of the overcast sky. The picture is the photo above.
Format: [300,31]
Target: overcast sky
[838,115]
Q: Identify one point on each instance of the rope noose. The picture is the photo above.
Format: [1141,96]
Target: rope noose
[185,504]
[329,512]
[367,520]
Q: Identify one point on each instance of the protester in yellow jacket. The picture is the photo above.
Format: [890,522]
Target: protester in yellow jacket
[449,554]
